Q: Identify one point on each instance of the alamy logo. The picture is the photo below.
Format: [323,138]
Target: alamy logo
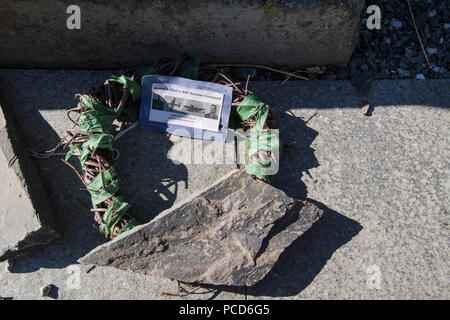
[374,20]
[249,149]
[74,20]
[373,277]
[74,279]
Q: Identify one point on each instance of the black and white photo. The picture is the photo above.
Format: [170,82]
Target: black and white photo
[174,104]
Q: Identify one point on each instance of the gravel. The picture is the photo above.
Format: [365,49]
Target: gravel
[394,51]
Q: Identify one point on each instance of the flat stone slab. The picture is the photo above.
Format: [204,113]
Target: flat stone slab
[296,33]
[382,182]
[26,219]
[232,234]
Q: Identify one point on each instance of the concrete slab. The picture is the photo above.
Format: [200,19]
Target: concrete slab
[119,34]
[26,220]
[382,180]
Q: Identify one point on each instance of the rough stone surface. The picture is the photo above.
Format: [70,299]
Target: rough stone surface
[26,219]
[381,180]
[122,33]
[230,234]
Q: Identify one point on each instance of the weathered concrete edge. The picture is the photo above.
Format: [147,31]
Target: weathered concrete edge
[54,25]
[12,144]
[85,259]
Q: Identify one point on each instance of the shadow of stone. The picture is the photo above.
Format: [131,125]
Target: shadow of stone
[301,262]
[296,160]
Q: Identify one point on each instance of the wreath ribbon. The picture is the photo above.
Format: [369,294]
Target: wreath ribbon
[263,146]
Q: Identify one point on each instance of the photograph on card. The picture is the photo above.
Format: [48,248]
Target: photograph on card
[185,106]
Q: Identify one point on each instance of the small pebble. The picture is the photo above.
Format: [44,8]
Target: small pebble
[432,51]
[420,76]
[436,69]
[366,109]
[396,24]
[403,72]
[10,265]
[46,290]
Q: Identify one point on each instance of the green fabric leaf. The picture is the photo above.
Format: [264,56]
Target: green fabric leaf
[113,215]
[101,179]
[103,186]
[133,86]
[259,140]
[95,121]
[262,168]
[190,68]
[129,225]
[97,118]
[251,106]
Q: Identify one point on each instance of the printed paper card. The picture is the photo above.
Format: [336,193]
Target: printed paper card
[185,107]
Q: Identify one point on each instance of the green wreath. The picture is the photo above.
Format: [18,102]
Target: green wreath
[92,134]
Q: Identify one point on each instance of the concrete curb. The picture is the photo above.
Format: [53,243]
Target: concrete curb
[117,34]
[26,219]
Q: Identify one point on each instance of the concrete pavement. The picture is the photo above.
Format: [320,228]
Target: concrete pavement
[383,181]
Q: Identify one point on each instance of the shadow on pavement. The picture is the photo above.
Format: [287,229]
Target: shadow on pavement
[148,180]
[300,263]
[297,160]
[355,93]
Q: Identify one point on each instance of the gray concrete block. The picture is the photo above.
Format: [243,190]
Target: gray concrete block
[118,34]
[26,219]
